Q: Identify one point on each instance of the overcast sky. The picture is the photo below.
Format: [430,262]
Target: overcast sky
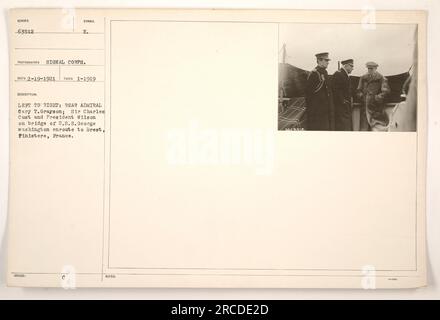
[390,45]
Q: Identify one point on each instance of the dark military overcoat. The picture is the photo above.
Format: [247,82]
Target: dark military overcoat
[342,101]
[319,101]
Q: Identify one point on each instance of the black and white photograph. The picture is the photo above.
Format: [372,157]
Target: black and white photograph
[150,152]
[347,77]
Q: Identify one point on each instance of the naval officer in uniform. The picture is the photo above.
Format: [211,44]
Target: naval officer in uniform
[342,96]
[319,98]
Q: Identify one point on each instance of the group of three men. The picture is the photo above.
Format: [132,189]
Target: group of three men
[329,104]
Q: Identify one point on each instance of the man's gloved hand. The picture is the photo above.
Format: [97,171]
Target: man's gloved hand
[379,98]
